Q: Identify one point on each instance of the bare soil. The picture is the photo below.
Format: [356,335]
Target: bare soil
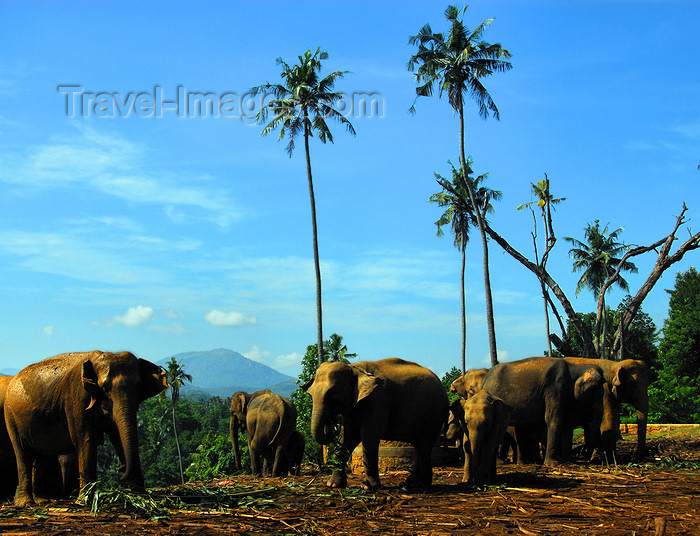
[655,497]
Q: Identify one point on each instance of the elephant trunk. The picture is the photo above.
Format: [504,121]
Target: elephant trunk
[234,442]
[125,419]
[320,428]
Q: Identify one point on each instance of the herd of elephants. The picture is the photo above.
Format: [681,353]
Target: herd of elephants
[57,412]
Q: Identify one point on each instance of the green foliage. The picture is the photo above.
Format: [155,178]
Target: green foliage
[214,458]
[204,429]
[304,102]
[447,380]
[455,61]
[674,399]
[679,350]
[641,341]
[675,395]
[598,258]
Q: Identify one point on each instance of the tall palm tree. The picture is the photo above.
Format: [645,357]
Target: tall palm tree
[301,105]
[598,258]
[456,62]
[460,215]
[545,201]
[176,377]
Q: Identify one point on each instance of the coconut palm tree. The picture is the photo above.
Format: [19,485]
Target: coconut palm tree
[460,215]
[598,258]
[545,202]
[456,62]
[302,104]
[176,377]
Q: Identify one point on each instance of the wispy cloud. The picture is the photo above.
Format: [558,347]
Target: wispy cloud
[116,167]
[74,256]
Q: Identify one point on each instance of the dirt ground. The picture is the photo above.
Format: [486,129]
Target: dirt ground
[656,497]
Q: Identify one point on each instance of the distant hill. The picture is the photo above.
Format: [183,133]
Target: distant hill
[222,372]
[8,371]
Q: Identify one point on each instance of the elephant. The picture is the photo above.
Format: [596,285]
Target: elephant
[388,399]
[484,420]
[53,477]
[8,465]
[625,381]
[469,384]
[269,421]
[65,404]
[545,394]
[295,452]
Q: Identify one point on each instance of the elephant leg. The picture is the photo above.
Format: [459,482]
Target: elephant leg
[69,474]
[25,467]
[527,445]
[279,466]
[467,449]
[255,466]
[567,439]
[422,473]
[87,461]
[553,439]
[350,440]
[370,460]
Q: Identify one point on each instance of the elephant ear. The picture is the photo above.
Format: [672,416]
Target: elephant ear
[366,385]
[239,399]
[588,383]
[305,386]
[89,377]
[153,379]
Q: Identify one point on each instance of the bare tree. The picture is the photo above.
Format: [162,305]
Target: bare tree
[664,260]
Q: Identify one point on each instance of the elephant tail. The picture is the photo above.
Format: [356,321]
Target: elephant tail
[287,414]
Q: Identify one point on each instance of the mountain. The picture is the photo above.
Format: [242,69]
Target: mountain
[222,372]
[8,371]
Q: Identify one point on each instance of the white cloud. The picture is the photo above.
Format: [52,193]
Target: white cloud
[48,330]
[135,316]
[256,354]
[288,361]
[231,319]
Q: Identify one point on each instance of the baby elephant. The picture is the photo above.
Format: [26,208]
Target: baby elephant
[484,419]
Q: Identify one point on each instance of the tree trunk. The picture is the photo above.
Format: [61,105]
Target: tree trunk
[604,335]
[546,319]
[317,264]
[464,311]
[484,241]
[177,444]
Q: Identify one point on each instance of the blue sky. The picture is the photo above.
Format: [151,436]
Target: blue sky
[168,234]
